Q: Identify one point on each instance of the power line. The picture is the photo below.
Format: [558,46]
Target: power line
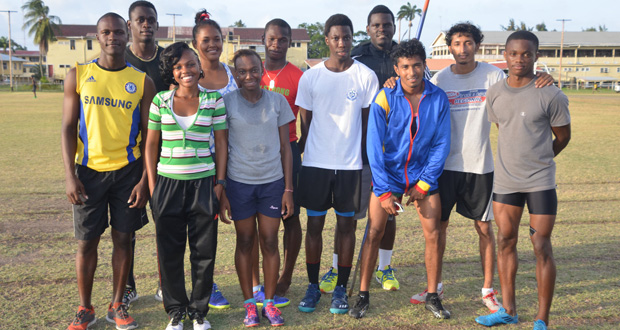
[174,26]
[561,49]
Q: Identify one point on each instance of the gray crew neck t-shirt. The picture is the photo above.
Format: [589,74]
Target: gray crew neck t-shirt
[525,116]
[253,136]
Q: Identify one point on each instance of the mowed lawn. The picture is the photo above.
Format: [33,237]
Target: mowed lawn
[37,274]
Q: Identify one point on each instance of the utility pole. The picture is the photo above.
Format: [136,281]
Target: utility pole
[10,49]
[561,50]
[174,26]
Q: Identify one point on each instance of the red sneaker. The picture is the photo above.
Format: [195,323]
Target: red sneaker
[84,318]
[117,313]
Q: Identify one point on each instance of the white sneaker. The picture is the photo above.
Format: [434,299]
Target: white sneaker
[420,298]
[201,324]
[158,295]
[176,322]
[491,302]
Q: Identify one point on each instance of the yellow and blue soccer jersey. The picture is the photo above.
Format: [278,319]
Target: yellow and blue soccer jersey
[109,123]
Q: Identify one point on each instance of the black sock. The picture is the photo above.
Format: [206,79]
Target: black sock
[343,275]
[313,272]
[430,296]
[364,295]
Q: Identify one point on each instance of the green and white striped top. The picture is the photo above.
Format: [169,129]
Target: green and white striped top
[186,154]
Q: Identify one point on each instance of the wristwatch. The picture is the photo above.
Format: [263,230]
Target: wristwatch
[222,182]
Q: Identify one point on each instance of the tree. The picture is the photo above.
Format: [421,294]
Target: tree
[360,37]
[4,44]
[512,26]
[42,26]
[601,28]
[407,12]
[541,27]
[238,23]
[317,48]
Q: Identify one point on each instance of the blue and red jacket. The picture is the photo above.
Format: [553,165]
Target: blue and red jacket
[400,159]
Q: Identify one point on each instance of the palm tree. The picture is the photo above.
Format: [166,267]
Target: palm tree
[42,26]
[408,13]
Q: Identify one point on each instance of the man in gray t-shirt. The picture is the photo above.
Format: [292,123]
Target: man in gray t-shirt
[527,118]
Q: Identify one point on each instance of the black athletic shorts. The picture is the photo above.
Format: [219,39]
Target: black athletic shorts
[108,190]
[538,202]
[469,191]
[321,189]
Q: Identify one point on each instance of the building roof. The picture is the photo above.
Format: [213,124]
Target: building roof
[551,38]
[256,34]
[23,52]
[5,57]
[438,64]
[182,32]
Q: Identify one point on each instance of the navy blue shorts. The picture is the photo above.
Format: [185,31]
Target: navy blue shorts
[247,200]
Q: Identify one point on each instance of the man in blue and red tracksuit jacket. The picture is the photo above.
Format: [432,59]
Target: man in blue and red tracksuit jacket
[408,141]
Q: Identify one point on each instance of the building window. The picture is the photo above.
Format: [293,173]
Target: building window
[618,70]
[585,53]
[4,66]
[604,70]
[89,44]
[568,69]
[72,44]
[603,53]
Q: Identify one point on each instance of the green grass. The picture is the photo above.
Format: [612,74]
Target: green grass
[37,248]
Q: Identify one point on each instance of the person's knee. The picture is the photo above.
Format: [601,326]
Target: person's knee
[292,225]
[345,227]
[484,230]
[86,248]
[542,246]
[245,242]
[432,236]
[269,245]
[375,234]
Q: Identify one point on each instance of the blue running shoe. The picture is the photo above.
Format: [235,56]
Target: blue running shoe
[259,296]
[312,297]
[251,315]
[499,317]
[540,325]
[217,300]
[273,314]
[340,301]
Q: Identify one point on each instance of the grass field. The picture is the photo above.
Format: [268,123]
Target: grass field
[37,275]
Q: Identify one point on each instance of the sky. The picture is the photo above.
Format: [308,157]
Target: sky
[489,15]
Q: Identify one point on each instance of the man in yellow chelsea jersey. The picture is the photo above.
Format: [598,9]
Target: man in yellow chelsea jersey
[105,113]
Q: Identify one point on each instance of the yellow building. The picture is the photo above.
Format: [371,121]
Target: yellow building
[5,68]
[78,43]
[587,57]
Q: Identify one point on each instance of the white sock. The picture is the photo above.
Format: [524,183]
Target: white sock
[439,287]
[335,262]
[385,258]
[256,288]
[486,291]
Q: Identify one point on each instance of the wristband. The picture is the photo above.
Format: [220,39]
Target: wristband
[288,190]
[420,190]
[222,182]
[385,196]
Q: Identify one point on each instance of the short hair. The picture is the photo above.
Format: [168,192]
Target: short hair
[523,35]
[380,9]
[247,53]
[114,15]
[464,28]
[280,23]
[203,18]
[141,3]
[169,57]
[338,20]
[408,49]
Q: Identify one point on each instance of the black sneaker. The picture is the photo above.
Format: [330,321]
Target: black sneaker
[433,304]
[361,307]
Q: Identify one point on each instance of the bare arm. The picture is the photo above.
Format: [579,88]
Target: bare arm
[562,136]
[70,114]
[150,157]
[287,167]
[305,116]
